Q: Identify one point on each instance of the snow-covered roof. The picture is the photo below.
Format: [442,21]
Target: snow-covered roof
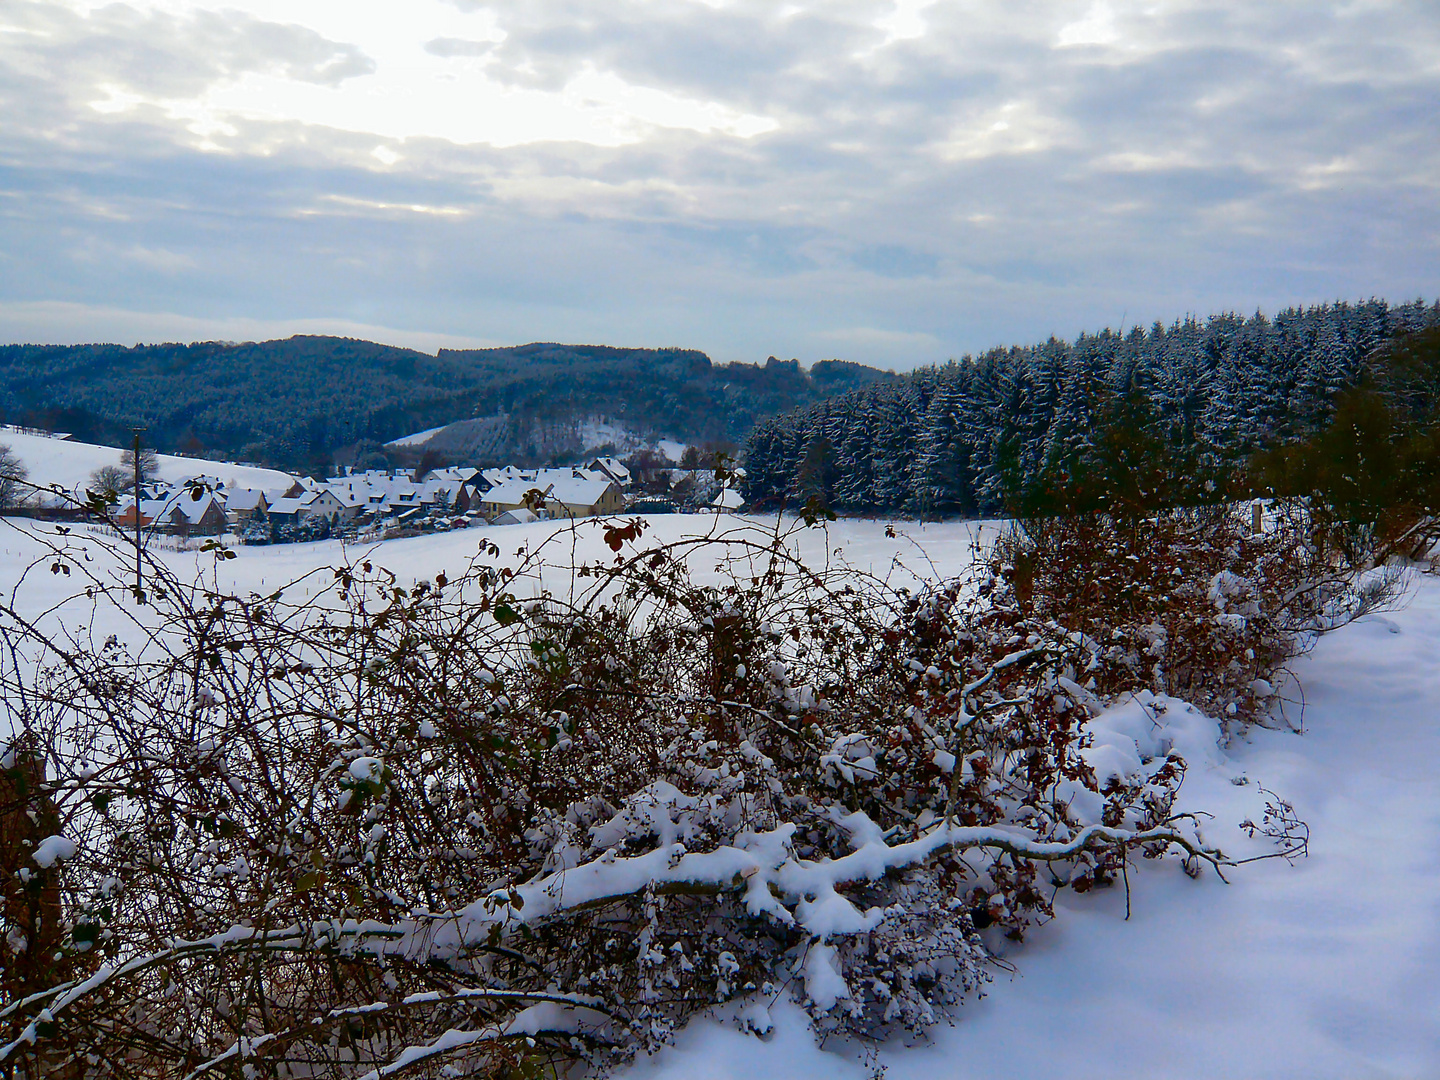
[572,487]
[244,499]
[164,509]
[519,516]
[513,492]
[579,490]
[311,500]
[611,467]
[458,474]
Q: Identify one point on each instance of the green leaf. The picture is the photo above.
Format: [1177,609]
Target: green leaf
[309,880]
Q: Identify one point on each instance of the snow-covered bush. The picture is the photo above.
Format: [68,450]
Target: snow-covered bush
[1192,602]
[542,812]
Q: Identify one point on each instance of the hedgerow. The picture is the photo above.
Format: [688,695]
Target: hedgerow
[535,815]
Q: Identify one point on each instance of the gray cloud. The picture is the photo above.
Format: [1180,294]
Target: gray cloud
[973,185]
[164,54]
[448,47]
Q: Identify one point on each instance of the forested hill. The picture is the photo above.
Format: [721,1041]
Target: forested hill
[963,437]
[295,403]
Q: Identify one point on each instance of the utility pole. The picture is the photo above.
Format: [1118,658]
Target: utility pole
[139,591]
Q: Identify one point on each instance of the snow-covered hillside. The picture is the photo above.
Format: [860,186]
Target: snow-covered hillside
[70,463]
[418,438]
[487,436]
[1326,969]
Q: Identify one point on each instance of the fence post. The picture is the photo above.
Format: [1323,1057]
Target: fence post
[139,590]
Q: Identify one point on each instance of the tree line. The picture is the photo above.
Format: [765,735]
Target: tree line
[1168,416]
[309,402]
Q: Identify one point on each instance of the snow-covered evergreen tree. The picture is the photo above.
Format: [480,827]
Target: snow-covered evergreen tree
[976,433]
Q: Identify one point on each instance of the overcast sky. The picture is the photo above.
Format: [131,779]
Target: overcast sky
[891,181]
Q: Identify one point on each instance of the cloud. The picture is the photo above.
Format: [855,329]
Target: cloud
[873,339]
[59,323]
[171,55]
[894,261]
[449,47]
[746,177]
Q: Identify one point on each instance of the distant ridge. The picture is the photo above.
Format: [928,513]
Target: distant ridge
[307,401]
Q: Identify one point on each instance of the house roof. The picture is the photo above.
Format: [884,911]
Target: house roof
[183,503]
[579,490]
[520,516]
[613,468]
[244,499]
[512,492]
[567,486]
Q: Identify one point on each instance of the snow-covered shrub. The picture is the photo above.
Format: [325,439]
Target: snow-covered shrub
[542,812]
[1191,602]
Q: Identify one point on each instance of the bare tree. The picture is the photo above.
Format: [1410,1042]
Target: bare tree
[111,479]
[149,465]
[12,479]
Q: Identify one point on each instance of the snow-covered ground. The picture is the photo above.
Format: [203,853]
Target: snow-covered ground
[417,438]
[594,434]
[70,463]
[1326,969]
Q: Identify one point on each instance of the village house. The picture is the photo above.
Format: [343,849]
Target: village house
[584,496]
[193,512]
[612,469]
[728,500]
[185,512]
[558,492]
[515,517]
[124,515]
[510,495]
[244,505]
[292,510]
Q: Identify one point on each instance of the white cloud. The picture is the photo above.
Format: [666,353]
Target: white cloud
[388,71]
[61,323]
[1097,27]
[745,176]
[907,20]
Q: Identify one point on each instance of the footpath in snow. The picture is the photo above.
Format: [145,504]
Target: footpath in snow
[1327,969]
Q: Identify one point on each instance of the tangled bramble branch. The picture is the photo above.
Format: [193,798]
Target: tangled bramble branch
[544,810]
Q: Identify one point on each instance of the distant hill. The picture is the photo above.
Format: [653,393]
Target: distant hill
[305,401]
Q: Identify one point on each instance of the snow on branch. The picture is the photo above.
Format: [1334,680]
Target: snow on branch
[543,810]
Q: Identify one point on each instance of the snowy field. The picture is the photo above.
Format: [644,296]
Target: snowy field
[1326,969]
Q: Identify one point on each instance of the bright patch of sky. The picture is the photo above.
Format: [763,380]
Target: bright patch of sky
[1096,27]
[742,176]
[443,91]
